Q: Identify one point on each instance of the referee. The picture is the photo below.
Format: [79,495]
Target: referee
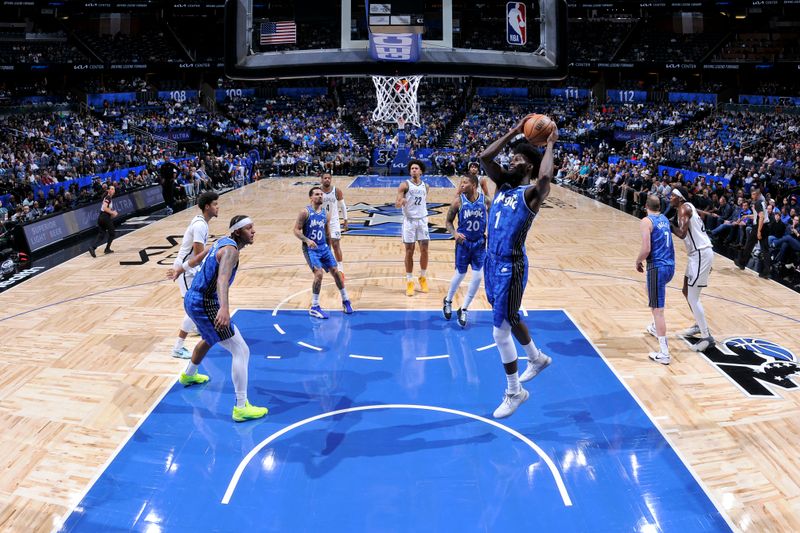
[105,223]
[759,234]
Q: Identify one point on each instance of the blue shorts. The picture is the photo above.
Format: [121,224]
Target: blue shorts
[657,279]
[203,310]
[470,254]
[319,257]
[505,284]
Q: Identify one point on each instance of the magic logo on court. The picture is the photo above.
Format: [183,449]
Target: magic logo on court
[760,368]
[386,220]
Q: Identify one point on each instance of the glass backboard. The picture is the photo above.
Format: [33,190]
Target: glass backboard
[492,38]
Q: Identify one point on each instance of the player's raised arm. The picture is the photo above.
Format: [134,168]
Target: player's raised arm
[681,229]
[402,189]
[493,170]
[228,257]
[537,194]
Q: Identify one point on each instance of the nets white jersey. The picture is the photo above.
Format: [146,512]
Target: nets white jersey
[331,205]
[696,238]
[416,201]
[196,232]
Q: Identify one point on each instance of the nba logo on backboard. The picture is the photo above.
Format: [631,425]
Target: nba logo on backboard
[516,32]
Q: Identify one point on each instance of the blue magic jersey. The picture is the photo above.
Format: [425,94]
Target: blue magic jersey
[509,221]
[661,251]
[205,281]
[472,218]
[314,228]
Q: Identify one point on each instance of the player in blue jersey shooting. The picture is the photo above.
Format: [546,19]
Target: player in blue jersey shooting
[516,203]
[471,207]
[657,249]
[207,304]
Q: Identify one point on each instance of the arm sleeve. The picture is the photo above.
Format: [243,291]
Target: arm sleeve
[343,207]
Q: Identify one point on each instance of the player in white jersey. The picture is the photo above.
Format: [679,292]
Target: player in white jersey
[193,246]
[332,202]
[412,196]
[691,229]
[473,169]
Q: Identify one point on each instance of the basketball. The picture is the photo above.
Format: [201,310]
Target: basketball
[537,128]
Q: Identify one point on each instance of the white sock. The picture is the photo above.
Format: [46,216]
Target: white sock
[508,353]
[474,284]
[314,299]
[531,351]
[343,292]
[240,357]
[178,344]
[423,273]
[409,276]
[454,283]
[693,296]
[513,383]
[662,342]
[191,369]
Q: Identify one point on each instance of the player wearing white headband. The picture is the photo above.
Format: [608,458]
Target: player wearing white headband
[207,304]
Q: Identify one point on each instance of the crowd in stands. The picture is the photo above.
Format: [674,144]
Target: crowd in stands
[439,103]
[597,39]
[661,47]
[154,45]
[33,52]
[760,47]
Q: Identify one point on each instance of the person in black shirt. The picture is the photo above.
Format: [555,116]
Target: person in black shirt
[759,233]
[105,221]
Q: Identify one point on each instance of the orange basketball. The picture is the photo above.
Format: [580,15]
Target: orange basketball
[537,128]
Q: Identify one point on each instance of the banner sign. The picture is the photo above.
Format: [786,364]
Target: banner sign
[232,94]
[178,96]
[45,232]
[626,96]
[571,93]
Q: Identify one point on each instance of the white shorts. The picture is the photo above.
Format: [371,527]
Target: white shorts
[415,229]
[699,267]
[184,281]
[336,229]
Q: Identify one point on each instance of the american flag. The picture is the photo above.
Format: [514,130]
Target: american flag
[278,32]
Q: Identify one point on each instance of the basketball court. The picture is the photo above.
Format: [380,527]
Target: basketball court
[382,420]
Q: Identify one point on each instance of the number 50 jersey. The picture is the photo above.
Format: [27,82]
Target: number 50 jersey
[510,218]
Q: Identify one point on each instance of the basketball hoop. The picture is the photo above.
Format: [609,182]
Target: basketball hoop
[397,99]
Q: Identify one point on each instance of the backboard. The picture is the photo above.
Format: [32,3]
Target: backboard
[494,39]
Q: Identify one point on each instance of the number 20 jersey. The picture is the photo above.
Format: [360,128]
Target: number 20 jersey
[510,218]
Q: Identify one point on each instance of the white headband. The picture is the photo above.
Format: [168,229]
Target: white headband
[676,192]
[239,225]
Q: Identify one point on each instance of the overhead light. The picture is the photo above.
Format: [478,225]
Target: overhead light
[740,17]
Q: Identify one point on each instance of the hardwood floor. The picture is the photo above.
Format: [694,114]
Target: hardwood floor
[86,345]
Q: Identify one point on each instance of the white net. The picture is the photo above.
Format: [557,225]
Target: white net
[397,99]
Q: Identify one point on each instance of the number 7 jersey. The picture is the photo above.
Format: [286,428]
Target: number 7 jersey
[510,218]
